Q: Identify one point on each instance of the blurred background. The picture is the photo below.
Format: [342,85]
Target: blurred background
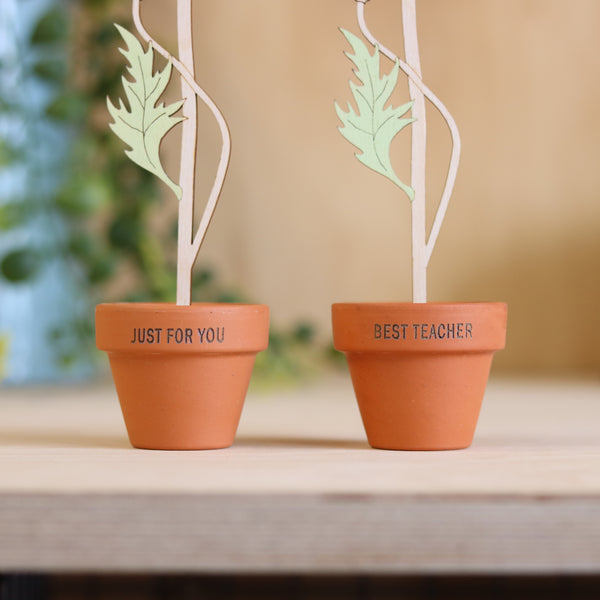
[301,222]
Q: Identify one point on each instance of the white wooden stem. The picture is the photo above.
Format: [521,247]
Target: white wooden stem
[419,154]
[415,78]
[195,242]
[187,176]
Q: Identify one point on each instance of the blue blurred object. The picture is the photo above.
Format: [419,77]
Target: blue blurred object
[35,311]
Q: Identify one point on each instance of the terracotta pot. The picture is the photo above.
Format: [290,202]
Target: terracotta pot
[182,372]
[419,370]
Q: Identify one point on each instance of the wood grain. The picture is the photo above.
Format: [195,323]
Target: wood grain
[301,492]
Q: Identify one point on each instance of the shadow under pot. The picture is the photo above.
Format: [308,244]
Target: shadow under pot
[182,372]
[419,371]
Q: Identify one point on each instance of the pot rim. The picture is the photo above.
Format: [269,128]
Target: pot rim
[156,328]
[412,327]
[388,304]
[169,306]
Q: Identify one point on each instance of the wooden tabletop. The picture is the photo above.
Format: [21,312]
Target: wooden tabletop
[300,491]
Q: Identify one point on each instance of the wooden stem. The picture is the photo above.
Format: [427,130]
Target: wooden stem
[419,143]
[187,175]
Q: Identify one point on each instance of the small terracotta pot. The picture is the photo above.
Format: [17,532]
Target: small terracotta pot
[419,370]
[182,372]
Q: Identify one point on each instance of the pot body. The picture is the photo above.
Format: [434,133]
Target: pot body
[182,372]
[419,370]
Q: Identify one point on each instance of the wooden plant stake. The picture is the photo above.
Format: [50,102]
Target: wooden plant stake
[419,153]
[144,125]
[374,127]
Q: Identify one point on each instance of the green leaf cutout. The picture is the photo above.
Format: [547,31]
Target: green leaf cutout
[146,123]
[375,126]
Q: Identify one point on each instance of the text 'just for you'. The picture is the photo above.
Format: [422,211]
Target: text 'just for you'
[178,335]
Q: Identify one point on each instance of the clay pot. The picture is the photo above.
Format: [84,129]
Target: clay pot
[182,372]
[419,370]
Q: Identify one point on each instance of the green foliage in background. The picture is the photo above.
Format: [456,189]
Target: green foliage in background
[112,241]
[44,62]
[375,126]
[3,355]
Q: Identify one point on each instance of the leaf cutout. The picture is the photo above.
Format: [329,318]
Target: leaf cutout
[146,123]
[375,126]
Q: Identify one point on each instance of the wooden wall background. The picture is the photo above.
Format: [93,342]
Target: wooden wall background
[302,224]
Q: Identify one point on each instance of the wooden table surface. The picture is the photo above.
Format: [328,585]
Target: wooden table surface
[300,491]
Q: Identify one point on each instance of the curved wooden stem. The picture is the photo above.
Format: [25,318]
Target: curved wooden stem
[437,103]
[188,257]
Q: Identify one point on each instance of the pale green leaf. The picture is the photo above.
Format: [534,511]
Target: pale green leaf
[373,128]
[144,123]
